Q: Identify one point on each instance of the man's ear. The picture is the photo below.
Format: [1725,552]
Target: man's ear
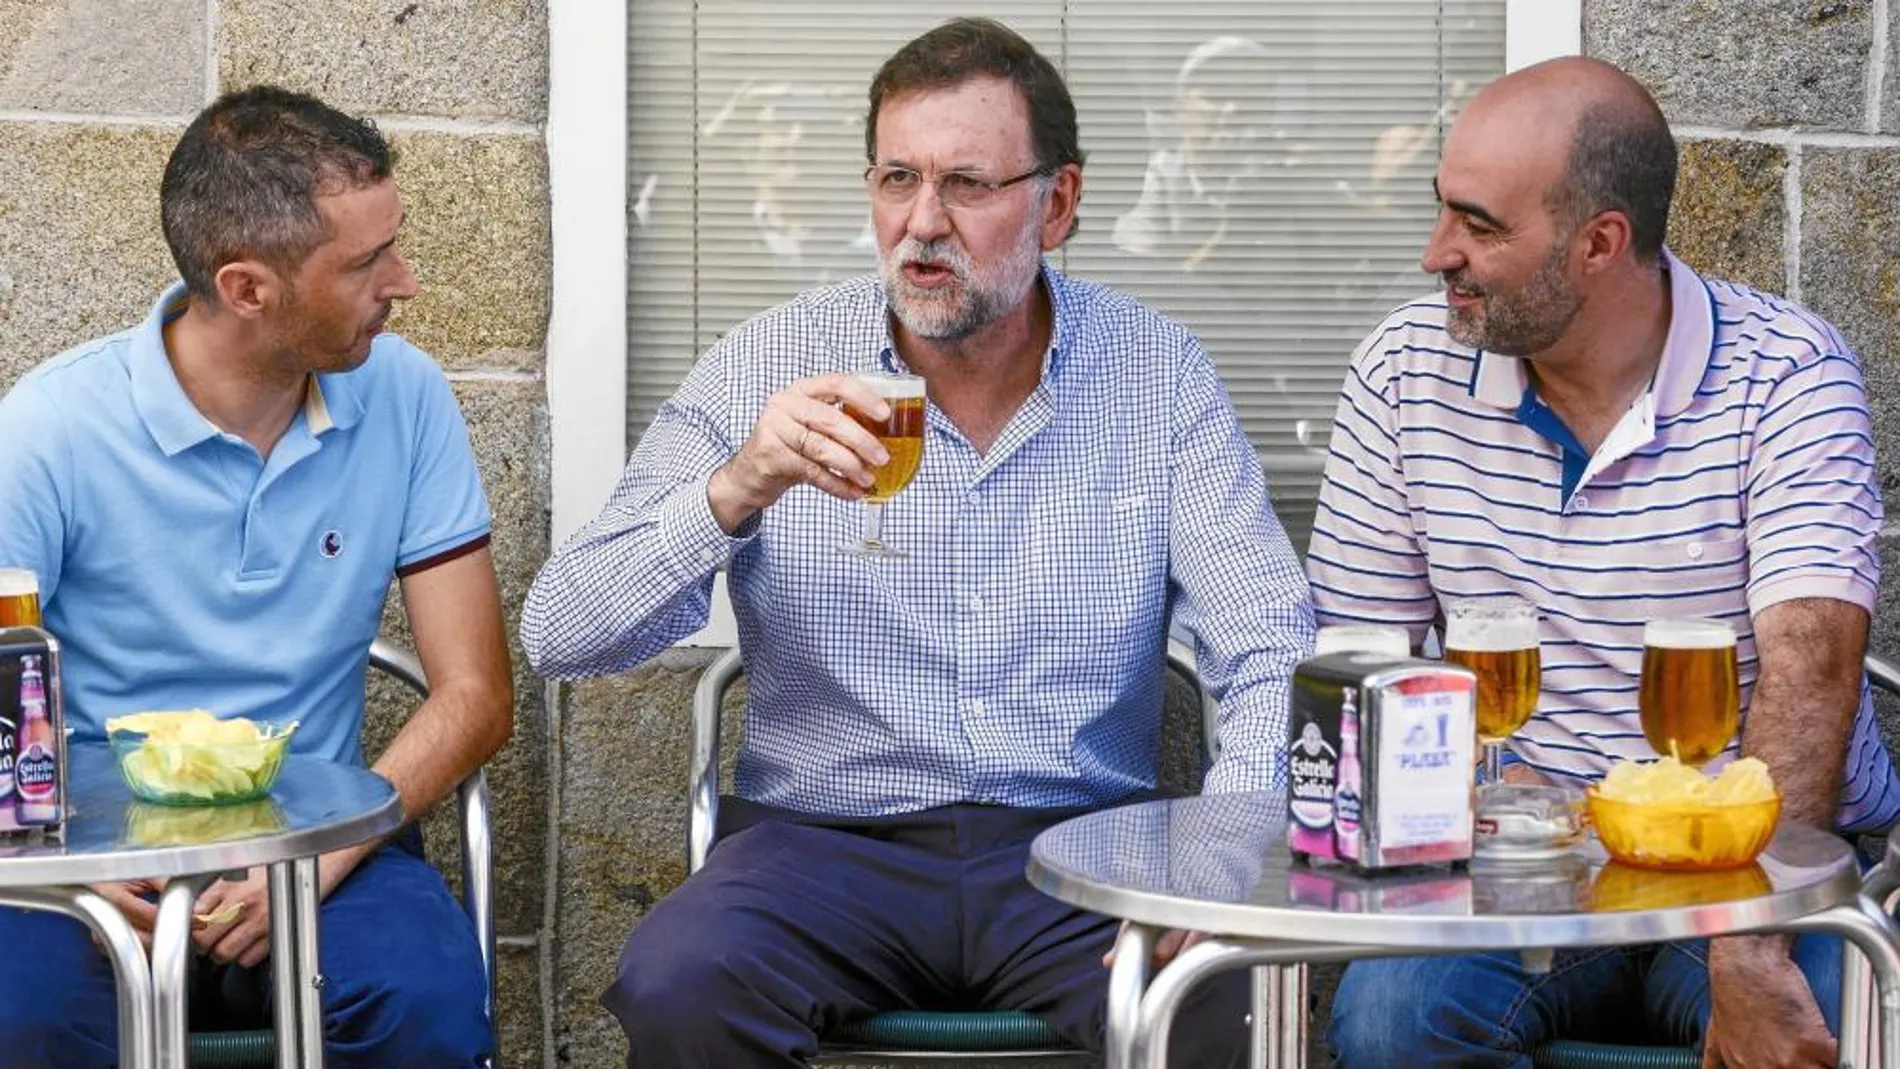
[1065,196]
[1603,240]
[248,288]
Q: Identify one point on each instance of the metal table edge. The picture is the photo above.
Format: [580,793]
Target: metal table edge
[1426,932]
[190,860]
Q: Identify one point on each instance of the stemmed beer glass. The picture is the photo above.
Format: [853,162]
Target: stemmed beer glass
[1689,699]
[902,435]
[1496,638]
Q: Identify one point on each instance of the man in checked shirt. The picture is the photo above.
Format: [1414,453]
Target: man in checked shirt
[913,723]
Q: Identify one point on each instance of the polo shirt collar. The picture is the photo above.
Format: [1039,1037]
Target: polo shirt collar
[169,416]
[1501,380]
[330,401]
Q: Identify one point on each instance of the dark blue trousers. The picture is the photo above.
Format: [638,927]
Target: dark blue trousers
[403,980]
[800,923]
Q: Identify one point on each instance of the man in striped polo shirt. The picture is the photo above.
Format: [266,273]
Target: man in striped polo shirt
[1581,420]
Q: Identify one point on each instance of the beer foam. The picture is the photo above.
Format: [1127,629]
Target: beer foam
[893,387]
[1362,638]
[1491,636]
[1490,625]
[17,582]
[1688,634]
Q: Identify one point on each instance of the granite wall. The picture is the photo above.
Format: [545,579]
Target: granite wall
[1790,129]
[1791,182]
[93,94]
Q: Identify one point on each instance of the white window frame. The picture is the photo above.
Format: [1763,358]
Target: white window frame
[587,189]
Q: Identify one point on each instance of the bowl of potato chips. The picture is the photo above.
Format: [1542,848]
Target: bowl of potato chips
[190,757]
[1667,815]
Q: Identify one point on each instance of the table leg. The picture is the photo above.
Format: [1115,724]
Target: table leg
[1290,1041]
[283,965]
[1863,925]
[1263,1035]
[132,978]
[171,953]
[1127,980]
[1171,987]
[309,978]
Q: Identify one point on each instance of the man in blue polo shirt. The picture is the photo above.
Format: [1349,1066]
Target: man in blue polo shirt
[214,502]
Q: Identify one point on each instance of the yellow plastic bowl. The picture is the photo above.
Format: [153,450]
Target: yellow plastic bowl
[1684,837]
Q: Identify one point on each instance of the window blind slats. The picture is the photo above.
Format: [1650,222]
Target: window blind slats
[1258,169]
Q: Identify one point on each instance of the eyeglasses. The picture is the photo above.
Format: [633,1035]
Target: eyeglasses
[955,189]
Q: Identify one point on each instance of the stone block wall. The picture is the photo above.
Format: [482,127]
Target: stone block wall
[94,93]
[1790,127]
[1791,182]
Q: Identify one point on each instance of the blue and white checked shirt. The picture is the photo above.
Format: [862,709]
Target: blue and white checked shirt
[1016,656]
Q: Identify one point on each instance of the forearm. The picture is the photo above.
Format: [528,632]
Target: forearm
[626,587]
[453,733]
[1801,716]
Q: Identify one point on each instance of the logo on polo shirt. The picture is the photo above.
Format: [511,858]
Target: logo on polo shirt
[331,544]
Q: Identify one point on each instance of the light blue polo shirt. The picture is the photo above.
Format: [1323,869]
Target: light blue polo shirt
[179,568]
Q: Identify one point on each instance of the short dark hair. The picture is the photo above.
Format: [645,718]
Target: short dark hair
[1622,158]
[244,179]
[962,49]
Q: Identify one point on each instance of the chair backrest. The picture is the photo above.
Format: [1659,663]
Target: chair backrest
[473,825]
[1883,674]
[709,697]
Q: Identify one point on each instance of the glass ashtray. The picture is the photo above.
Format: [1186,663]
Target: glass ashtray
[1525,822]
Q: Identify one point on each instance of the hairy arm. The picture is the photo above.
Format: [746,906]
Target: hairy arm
[1802,714]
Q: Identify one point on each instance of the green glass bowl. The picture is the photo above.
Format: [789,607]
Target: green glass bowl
[168,772]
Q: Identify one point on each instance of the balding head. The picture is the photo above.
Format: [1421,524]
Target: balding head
[1597,137]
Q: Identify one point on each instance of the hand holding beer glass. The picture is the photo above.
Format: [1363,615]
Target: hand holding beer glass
[1497,639]
[902,436]
[1689,698]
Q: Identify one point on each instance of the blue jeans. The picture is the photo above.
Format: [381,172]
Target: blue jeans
[403,980]
[1485,1010]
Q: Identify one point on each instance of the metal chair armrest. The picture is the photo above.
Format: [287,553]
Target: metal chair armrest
[703,772]
[474,825]
[1181,660]
[1883,674]
[478,870]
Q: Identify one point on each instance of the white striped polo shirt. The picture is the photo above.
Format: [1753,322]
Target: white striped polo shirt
[1744,477]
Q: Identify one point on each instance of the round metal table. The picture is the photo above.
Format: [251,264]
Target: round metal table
[1219,864]
[314,807]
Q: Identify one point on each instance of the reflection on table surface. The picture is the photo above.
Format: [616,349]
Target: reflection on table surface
[169,825]
[1231,849]
[310,794]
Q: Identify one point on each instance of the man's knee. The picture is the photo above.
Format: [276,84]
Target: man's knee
[669,981]
[433,1014]
[1416,1011]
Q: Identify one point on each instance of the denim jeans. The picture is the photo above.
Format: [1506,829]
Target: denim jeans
[1486,1010]
[403,972]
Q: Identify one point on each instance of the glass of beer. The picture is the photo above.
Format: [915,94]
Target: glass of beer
[1497,639]
[19,598]
[902,435]
[1689,698]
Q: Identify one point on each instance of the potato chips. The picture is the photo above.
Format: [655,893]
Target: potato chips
[189,754]
[1670,782]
